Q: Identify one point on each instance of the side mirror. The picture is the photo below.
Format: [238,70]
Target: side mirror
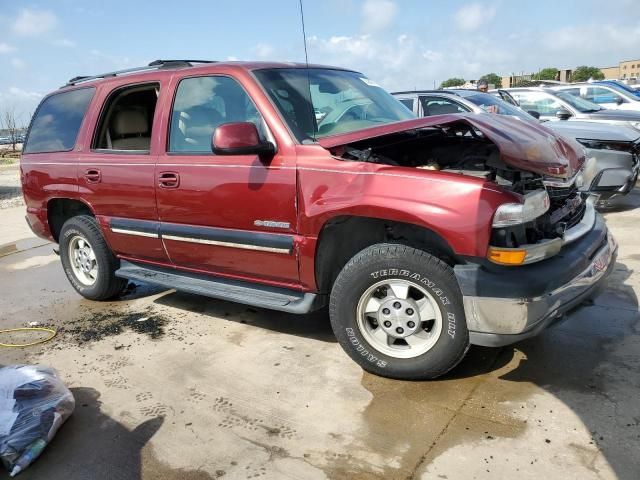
[534,114]
[619,100]
[239,138]
[563,114]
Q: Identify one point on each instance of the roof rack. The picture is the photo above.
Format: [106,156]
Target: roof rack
[155,65]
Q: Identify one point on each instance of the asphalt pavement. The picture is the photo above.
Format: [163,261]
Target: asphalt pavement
[177,386]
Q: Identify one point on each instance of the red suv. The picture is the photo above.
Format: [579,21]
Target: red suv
[289,188]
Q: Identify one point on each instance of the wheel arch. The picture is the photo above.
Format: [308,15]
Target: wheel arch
[61,209]
[343,236]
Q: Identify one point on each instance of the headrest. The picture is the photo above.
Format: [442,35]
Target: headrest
[198,121]
[127,122]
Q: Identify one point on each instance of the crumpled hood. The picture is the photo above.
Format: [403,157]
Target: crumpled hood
[523,145]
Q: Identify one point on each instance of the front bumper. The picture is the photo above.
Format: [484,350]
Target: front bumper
[504,305]
[615,174]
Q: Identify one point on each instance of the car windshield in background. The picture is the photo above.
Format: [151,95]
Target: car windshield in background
[580,104]
[341,101]
[491,104]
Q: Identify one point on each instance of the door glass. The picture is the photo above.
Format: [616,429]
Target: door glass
[438,106]
[538,102]
[204,103]
[601,95]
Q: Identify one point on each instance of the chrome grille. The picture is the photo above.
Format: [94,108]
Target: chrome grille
[559,197]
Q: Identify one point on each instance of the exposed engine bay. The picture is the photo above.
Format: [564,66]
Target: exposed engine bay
[460,149]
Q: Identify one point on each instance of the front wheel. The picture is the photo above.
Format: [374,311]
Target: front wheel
[397,311]
[87,260]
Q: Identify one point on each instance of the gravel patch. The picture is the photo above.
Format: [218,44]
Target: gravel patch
[10,190]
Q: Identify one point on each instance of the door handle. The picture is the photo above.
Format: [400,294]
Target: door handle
[168,180]
[93,175]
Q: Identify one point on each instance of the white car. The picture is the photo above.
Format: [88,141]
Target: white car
[607,96]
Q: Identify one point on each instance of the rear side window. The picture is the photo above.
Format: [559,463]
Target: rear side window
[56,123]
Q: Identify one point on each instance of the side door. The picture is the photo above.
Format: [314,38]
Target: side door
[231,215]
[116,174]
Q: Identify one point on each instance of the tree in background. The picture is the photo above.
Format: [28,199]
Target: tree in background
[549,73]
[9,122]
[492,79]
[452,82]
[584,73]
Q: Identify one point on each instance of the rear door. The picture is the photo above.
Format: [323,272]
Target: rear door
[116,175]
[232,215]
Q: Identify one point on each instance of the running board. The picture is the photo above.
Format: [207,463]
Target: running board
[252,294]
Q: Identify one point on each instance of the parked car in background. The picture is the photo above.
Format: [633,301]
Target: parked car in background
[423,235]
[614,148]
[606,96]
[556,105]
[620,85]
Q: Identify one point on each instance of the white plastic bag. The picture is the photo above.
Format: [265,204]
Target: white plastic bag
[33,405]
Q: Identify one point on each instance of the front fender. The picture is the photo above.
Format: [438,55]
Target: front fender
[458,208]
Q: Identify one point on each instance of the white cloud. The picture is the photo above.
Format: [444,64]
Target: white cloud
[264,50]
[378,14]
[63,42]
[34,22]
[6,48]
[19,93]
[473,16]
[18,63]
[432,56]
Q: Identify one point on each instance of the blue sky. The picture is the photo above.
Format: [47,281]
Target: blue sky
[399,43]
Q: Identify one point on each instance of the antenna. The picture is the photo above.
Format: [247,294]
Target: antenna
[304,35]
[306,61]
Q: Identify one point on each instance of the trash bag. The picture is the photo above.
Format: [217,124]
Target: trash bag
[33,405]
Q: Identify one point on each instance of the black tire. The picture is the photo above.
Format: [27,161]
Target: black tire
[106,284]
[386,262]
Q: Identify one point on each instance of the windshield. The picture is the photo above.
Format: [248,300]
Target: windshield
[341,101]
[579,103]
[491,104]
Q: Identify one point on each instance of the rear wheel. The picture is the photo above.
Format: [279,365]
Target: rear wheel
[87,260]
[397,311]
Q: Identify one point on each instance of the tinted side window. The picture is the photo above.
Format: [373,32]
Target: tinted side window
[55,125]
[439,106]
[203,103]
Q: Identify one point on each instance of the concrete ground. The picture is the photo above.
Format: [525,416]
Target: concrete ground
[176,386]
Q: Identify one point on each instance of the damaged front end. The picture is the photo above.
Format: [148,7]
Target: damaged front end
[544,170]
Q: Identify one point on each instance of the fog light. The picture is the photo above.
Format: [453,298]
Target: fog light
[507,257]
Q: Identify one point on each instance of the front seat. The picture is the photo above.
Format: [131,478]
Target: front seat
[130,130]
[195,128]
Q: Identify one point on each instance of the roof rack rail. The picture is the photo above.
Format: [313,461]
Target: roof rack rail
[155,65]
